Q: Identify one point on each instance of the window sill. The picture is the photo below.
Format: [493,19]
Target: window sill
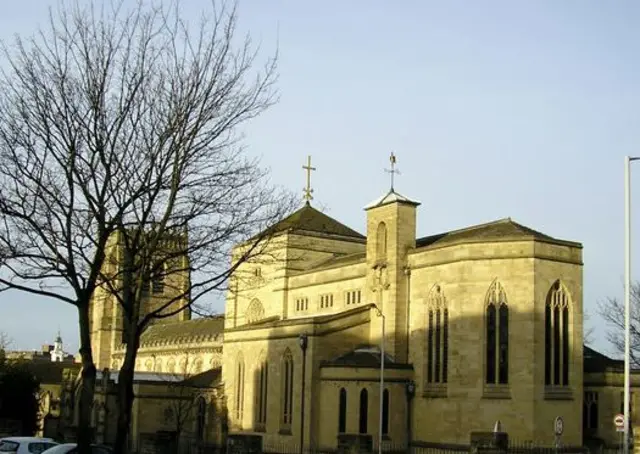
[558,393]
[435,390]
[496,392]
[285,431]
[260,428]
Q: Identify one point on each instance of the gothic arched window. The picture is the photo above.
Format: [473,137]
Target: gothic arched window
[287,391]
[255,311]
[239,385]
[497,336]
[342,411]
[385,412]
[364,411]
[201,418]
[381,242]
[261,387]
[556,336]
[437,337]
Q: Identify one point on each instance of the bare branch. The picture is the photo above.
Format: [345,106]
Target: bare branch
[122,166]
[612,312]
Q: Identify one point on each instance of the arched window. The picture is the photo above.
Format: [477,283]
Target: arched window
[148,365]
[239,397]
[590,412]
[381,242]
[261,386]
[216,362]
[364,411]
[385,412]
[255,311]
[287,391]
[171,365]
[158,365]
[556,336]
[437,336]
[342,411]
[497,336]
[201,418]
[197,366]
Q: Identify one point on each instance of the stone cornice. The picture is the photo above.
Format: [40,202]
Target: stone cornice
[428,256]
[312,326]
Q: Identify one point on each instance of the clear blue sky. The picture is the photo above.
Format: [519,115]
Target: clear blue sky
[493,108]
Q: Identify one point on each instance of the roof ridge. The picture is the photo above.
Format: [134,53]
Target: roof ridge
[472,227]
[182,322]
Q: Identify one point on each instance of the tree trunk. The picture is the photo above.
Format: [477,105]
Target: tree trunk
[87,384]
[125,392]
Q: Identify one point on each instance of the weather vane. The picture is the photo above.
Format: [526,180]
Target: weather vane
[308,191]
[393,170]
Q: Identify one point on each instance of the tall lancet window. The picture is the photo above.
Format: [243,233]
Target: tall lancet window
[286,405]
[556,336]
[261,388]
[497,336]
[381,242]
[239,390]
[437,345]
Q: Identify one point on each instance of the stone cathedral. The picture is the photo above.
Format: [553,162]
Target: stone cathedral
[478,325]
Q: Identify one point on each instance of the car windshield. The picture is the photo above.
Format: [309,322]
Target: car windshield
[8,446]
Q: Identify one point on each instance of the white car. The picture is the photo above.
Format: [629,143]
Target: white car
[71,448]
[25,445]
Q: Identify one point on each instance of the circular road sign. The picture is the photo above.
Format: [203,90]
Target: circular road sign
[558,425]
[619,421]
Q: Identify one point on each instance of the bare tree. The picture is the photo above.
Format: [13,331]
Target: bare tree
[5,342]
[612,312]
[122,168]
[588,332]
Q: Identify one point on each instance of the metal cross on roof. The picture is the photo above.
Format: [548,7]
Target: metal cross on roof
[393,171]
[308,191]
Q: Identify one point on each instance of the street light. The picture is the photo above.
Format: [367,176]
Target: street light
[627,295]
[380,314]
[303,342]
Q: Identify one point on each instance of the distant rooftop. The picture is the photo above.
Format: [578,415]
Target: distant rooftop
[197,329]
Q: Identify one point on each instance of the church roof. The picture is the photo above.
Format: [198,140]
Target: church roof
[391,197]
[207,379]
[308,219]
[182,332]
[501,229]
[364,356]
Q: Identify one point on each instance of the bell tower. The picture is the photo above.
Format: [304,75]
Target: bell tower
[391,234]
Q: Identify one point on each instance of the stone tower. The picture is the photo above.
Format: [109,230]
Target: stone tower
[106,317]
[391,234]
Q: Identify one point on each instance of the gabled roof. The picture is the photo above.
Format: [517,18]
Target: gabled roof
[183,332]
[308,219]
[496,230]
[207,379]
[391,197]
[594,361]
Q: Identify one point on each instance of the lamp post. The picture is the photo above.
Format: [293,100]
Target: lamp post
[380,314]
[303,341]
[627,295]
